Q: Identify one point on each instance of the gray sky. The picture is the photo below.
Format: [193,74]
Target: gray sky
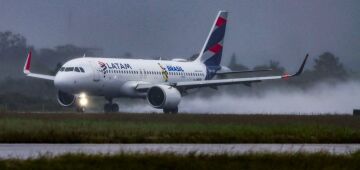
[257,31]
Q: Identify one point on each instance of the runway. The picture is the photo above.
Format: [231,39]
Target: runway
[24,151]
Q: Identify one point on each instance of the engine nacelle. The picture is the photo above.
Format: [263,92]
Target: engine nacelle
[65,99]
[163,97]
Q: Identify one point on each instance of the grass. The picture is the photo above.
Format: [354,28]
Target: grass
[250,161]
[155,128]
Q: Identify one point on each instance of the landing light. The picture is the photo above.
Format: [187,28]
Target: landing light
[82,95]
[83,101]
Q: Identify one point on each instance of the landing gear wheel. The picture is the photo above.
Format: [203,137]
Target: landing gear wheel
[80,109]
[166,111]
[114,107]
[107,108]
[171,111]
[111,108]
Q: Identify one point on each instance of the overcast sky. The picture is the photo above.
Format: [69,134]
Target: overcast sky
[257,31]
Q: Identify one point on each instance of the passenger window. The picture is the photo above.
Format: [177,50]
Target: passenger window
[77,69]
[81,69]
[62,69]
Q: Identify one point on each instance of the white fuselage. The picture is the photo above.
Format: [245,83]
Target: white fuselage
[112,77]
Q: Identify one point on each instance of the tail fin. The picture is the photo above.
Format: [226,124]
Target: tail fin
[211,52]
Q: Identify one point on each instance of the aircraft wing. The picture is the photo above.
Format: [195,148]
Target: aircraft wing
[28,73]
[213,83]
[41,76]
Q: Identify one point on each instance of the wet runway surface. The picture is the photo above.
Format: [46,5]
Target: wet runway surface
[24,151]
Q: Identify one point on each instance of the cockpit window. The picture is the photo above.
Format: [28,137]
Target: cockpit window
[67,69]
[76,69]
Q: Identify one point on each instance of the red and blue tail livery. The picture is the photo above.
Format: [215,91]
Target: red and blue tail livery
[211,52]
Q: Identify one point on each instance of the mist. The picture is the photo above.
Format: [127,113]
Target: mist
[322,98]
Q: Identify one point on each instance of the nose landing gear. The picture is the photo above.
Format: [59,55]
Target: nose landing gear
[111,107]
[82,102]
[80,109]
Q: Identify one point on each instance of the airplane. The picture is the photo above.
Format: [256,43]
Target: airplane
[161,82]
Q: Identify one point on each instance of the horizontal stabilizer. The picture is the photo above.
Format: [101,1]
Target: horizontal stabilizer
[245,71]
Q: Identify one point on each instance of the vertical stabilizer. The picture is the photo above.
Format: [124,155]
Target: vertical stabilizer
[211,52]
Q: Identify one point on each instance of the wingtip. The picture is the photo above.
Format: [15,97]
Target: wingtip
[27,63]
[301,69]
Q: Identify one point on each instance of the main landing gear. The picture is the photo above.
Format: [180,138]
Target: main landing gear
[80,109]
[171,111]
[111,107]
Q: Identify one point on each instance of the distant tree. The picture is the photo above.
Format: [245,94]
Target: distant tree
[236,66]
[276,67]
[328,65]
[273,65]
[13,49]
[9,41]
[62,53]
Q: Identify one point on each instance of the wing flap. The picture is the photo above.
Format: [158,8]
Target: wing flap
[245,71]
[206,83]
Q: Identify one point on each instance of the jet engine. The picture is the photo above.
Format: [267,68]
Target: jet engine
[65,99]
[163,97]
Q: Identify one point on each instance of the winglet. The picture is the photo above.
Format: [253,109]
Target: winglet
[301,69]
[27,64]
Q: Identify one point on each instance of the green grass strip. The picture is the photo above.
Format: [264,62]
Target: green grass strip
[178,130]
